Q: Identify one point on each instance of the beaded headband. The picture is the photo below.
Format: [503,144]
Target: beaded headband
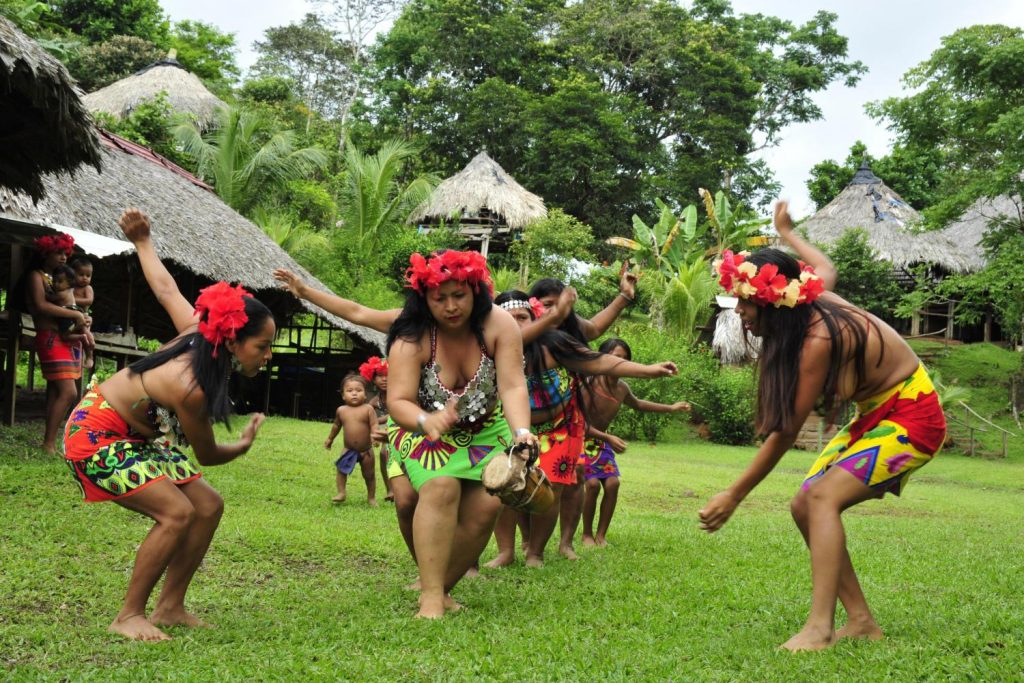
[765,285]
[533,305]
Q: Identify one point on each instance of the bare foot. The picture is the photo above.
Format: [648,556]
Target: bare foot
[340,498]
[567,552]
[390,498]
[372,502]
[601,542]
[810,638]
[502,560]
[177,617]
[49,449]
[450,604]
[431,608]
[137,627]
[534,561]
[588,541]
[414,586]
[472,573]
[860,629]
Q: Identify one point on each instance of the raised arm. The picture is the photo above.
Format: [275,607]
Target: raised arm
[807,252]
[135,226]
[813,371]
[508,360]
[613,366]
[599,324]
[346,309]
[652,407]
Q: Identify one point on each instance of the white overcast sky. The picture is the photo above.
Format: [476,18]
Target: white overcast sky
[889,36]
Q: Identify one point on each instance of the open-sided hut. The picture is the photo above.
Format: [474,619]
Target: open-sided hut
[870,204]
[202,240]
[484,201]
[44,126]
[185,92]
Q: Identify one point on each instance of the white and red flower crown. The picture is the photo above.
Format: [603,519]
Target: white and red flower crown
[765,285]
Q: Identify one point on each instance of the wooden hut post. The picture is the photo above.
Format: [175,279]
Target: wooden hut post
[915,324]
[949,319]
[10,386]
[988,326]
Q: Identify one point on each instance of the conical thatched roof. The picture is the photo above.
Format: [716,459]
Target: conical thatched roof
[868,203]
[192,226]
[185,92]
[43,125]
[482,184]
[967,230]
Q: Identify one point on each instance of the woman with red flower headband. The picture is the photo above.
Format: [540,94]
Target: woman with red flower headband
[817,345]
[60,360]
[122,442]
[456,393]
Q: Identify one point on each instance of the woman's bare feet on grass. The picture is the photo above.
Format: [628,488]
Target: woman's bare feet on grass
[390,498]
[450,604]
[502,560]
[137,627]
[588,541]
[372,502]
[431,607]
[177,617]
[601,542]
[810,638]
[860,629]
[567,552]
[472,573]
[414,586]
[534,561]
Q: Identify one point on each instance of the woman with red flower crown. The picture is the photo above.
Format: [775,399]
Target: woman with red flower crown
[815,344]
[456,393]
[122,440]
[59,360]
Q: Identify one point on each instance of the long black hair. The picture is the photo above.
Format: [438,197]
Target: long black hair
[783,332]
[549,286]
[612,343]
[416,318]
[209,374]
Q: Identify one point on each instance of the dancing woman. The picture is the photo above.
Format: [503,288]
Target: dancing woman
[122,440]
[817,345]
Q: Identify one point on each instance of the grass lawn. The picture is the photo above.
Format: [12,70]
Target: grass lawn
[302,590]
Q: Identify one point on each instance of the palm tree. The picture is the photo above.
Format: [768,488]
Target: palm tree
[243,156]
[374,201]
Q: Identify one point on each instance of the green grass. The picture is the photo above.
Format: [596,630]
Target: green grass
[301,590]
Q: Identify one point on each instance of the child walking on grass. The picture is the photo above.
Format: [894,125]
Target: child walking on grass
[606,396]
[359,422]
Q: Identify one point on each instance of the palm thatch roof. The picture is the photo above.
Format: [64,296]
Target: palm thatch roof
[44,126]
[868,203]
[482,186]
[192,228]
[185,92]
[967,230]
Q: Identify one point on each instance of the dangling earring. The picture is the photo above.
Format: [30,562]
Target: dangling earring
[236,364]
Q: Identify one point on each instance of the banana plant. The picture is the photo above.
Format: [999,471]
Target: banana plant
[668,243]
[732,229]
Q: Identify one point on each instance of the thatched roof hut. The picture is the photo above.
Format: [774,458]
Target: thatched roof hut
[193,229]
[484,200]
[967,230]
[731,343]
[45,127]
[185,92]
[868,203]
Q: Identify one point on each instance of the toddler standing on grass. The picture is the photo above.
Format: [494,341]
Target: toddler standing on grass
[359,422]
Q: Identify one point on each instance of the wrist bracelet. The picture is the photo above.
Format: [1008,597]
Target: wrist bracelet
[421,421]
[522,431]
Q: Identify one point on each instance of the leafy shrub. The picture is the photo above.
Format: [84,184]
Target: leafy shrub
[727,404]
[312,203]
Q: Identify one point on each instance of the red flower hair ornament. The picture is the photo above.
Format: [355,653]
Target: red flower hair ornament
[765,285]
[537,307]
[221,310]
[372,367]
[462,266]
[54,244]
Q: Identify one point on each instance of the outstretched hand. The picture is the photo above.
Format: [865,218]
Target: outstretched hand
[135,225]
[717,512]
[783,221]
[681,407]
[627,281]
[664,369]
[290,281]
[617,444]
[249,433]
